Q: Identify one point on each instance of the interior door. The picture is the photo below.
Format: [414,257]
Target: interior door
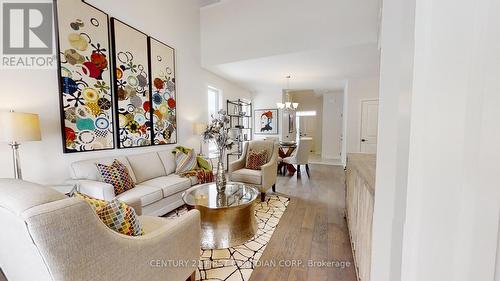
[369,125]
[307,128]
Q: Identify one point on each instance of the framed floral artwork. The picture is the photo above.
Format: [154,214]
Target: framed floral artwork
[163,88]
[266,121]
[132,85]
[85,94]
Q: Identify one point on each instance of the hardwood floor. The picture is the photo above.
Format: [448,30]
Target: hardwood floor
[312,229]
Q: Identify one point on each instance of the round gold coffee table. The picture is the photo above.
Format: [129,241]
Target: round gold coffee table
[227,218]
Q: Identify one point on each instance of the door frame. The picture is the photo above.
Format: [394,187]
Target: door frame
[360,123]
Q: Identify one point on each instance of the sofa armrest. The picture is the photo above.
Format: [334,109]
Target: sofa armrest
[236,165]
[269,170]
[96,189]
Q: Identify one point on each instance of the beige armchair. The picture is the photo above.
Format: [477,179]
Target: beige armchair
[262,179]
[48,236]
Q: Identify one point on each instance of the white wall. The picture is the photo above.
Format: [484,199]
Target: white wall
[393,140]
[240,29]
[229,89]
[266,100]
[332,126]
[358,89]
[449,204]
[173,22]
[453,197]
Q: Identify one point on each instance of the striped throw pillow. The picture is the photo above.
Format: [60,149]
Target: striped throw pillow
[185,161]
[256,159]
[115,214]
[116,175]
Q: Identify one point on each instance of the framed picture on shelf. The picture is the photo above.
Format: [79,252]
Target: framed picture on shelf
[266,121]
[291,127]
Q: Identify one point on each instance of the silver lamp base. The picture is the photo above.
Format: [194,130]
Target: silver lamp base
[15,158]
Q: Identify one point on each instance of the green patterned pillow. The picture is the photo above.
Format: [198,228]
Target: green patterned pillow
[203,163]
[115,214]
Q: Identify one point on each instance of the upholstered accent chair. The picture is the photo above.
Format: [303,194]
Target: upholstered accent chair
[301,155]
[49,236]
[263,179]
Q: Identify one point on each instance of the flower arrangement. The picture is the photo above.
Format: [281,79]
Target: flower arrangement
[218,131]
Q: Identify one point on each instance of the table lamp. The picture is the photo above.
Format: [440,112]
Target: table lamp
[198,129]
[17,127]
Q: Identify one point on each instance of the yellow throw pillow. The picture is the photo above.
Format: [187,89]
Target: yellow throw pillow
[115,214]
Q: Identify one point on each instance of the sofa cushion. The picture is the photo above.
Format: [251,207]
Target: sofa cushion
[117,175]
[151,223]
[147,194]
[247,176]
[146,166]
[170,184]
[87,169]
[168,160]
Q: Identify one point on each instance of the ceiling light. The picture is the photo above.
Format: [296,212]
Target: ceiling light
[288,105]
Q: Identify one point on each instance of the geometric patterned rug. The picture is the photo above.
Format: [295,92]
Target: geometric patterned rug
[237,263]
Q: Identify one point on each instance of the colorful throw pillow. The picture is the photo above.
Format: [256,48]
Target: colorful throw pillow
[205,176]
[185,161]
[256,159]
[203,163]
[115,214]
[117,175]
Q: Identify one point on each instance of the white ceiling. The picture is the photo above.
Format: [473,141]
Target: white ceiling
[321,43]
[204,3]
[324,69]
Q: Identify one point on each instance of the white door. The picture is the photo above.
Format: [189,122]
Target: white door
[369,124]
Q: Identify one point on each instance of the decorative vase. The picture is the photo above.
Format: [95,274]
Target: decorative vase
[220,178]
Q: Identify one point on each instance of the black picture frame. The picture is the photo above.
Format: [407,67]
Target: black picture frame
[152,91]
[62,111]
[116,88]
[258,130]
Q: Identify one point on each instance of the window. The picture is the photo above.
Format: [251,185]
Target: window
[214,105]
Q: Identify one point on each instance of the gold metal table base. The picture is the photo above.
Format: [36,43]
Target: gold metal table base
[228,217]
[224,228]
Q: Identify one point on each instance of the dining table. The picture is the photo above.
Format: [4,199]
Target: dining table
[286,150]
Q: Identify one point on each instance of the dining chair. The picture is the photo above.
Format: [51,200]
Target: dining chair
[301,155]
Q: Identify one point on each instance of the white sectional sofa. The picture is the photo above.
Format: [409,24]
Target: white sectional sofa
[157,188]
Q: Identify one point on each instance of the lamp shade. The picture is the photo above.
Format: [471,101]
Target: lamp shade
[199,128]
[17,126]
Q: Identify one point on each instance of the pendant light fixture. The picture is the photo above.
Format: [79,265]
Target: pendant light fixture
[288,105]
